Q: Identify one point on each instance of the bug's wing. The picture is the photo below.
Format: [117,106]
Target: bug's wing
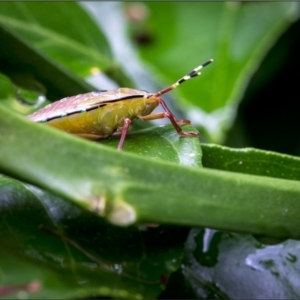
[110,96]
[65,106]
[70,105]
[95,99]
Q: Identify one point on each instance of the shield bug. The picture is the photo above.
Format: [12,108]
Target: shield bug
[97,115]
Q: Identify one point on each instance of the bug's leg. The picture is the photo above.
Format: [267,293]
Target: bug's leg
[183,121]
[155,116]
[162,115]
[173,121]
[127,123]
[170,116]
[118,132]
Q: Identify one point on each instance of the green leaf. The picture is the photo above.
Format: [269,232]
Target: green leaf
[30,69]
[227,266]
[60,245]
[63,31]
[22,60]
[162,143]
[73,253]
[251,161]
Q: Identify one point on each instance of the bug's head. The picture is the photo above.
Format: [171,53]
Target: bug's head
[151,102]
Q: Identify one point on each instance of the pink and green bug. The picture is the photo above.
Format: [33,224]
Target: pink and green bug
[100,114]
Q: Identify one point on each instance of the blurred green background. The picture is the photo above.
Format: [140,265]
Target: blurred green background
[248,97]
[245,98]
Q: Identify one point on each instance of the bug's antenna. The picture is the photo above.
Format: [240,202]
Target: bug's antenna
[193,73]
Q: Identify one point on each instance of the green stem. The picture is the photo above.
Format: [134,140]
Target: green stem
[126,188]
